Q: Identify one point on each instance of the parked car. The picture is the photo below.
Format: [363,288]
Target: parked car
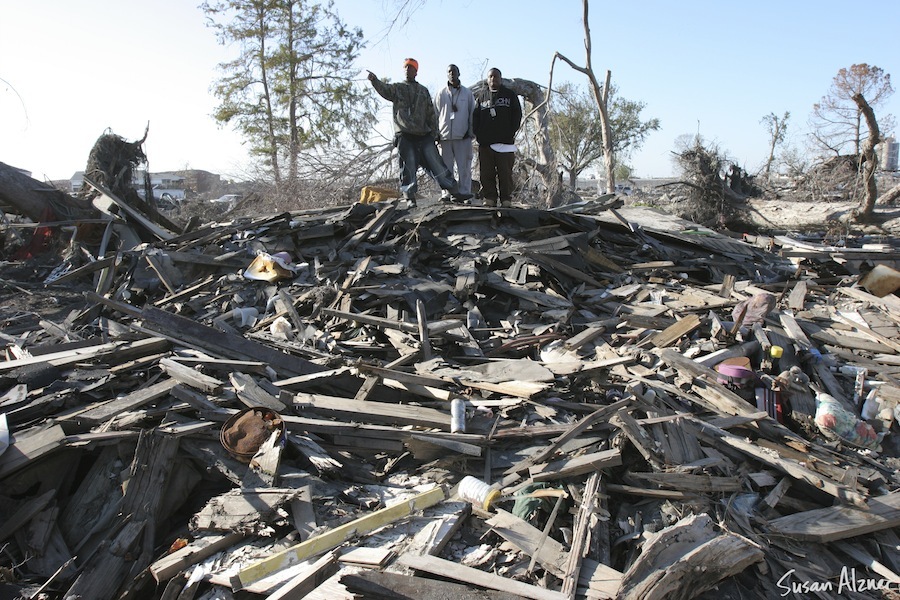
[168,202]
[227,199]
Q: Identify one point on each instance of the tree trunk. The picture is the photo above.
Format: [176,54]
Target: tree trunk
[573,180]
[890,196]
[601,95]
[867,158]
[36,200]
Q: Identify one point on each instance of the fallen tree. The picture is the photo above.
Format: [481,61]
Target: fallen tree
[37,200]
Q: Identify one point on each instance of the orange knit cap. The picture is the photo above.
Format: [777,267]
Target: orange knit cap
[413,62]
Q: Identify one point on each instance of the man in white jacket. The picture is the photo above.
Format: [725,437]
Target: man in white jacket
[454,105]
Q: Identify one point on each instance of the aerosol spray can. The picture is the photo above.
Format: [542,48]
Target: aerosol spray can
[457,416]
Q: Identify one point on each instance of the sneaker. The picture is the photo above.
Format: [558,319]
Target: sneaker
[506,204]
[463,197]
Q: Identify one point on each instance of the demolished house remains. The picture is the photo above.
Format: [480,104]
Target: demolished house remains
[375,401]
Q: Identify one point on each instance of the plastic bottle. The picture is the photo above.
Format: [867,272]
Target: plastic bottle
[477,492]
[775,354]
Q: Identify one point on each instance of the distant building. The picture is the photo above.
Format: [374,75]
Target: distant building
[175,184]
[76,182]
[889,151]
[200,182]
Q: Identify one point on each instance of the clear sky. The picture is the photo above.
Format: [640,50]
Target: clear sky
[71,70]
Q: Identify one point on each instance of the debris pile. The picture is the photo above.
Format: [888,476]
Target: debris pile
[286,405]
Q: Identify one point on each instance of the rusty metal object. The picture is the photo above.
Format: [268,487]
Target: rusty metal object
[244,432]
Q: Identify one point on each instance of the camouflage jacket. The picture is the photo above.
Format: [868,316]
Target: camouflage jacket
[413,108]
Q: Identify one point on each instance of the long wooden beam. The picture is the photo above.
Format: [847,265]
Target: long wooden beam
[338,535]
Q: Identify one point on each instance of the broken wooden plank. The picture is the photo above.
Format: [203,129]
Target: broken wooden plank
[373,412]
[331,539]
[579,465]
[675,332]
[472,576]
[394,586]
[841,522]
[584,525]
[27,446]
[198,549]
[129,402]
[529,539]
[687,559]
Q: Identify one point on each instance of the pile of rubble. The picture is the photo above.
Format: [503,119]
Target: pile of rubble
[376,401]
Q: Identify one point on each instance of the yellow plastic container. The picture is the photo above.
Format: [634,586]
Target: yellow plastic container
[371,194]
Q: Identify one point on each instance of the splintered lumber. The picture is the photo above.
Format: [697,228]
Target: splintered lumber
[378,412]
[307,578]
[685,560]
[25,513]
[373,585]
[597,581]
[373,558]
[645,444]
[869,561]
[571,467]
[787,466]
[156,230]
[435,328]
[434,535]
[128,402]
[889,302]
[191,377]
[252,395]
[25,447]
[446,568]
[200,548]
[571,432]
[132,544]
[222,344]
[841,522]
[584,523]
[120,350]
[796,333]
[687,482]
[338,535]
[797,297]
[244,510]
[717,397]
[675,332]
[530,540]
[264,465]
[495,281]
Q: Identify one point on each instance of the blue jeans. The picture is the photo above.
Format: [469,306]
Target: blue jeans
[419,151]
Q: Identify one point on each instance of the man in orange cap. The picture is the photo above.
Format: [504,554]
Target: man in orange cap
[415,131]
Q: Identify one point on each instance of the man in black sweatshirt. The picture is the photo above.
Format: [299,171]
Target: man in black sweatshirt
[497,118]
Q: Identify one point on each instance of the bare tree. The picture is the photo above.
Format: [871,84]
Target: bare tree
[777,128]
[837,121]
[601,95]
[576,133]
